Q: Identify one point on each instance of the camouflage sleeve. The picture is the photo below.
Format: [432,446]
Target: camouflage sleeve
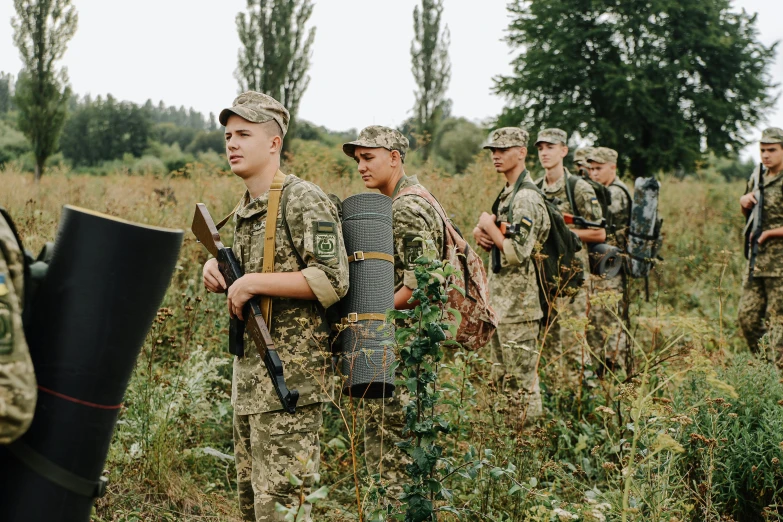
[413,218]
[586,202]
[17,380]
[530,215]
[315,228]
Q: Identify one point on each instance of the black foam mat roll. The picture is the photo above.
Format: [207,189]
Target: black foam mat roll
[367,346]
[90,317]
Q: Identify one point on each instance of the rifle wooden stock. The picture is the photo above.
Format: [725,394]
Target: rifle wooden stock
[206,232]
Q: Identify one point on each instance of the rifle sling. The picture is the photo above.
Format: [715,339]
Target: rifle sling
[268,263]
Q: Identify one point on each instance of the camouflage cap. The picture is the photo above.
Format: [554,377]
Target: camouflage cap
[257,107]
[603,155]
[552,136]
[377,137]
[772,135]
[507,137]
[580,156]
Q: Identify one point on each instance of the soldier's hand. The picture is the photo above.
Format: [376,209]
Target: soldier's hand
[213,279]
[748,201]
[239,294]
[482,239]
[487,221]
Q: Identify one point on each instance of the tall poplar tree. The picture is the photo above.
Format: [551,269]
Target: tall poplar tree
[276,50]
[661,81]
[431,70]
[42,29]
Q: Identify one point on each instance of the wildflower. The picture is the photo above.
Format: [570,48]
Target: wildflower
[609,466]
[564,515]
[775,461]
[753,469]
[604,409]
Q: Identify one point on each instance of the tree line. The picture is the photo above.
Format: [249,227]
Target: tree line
[666,84]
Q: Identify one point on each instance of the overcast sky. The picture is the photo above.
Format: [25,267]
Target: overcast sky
[184,52]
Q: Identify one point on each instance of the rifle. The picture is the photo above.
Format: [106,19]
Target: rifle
[753,231]
[581,222]
[207,234]
[508,230]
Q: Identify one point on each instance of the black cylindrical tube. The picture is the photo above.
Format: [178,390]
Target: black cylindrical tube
[90,317]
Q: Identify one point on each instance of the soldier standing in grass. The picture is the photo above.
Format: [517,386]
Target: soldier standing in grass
[380,155]
[608,335]
[310,274]
[513,284]
[762,297]
[575,196]
[17,380]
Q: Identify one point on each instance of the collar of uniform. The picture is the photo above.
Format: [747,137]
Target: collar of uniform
[253,207]
[405,181]
[526,178]
[557,185]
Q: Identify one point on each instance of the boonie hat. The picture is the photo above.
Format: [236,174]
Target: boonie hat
[580,156]
[772,135]
[603,155]
[257,107]
[552,136]
[379,137]
[507,137]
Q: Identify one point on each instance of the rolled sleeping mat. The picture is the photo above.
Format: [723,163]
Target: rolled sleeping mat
[642,236]
[90,317]
[366,339]
[605,260]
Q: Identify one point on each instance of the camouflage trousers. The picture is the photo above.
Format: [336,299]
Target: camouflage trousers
[565,349]
[383,422]
[761,312]
[606,336]
[515,354]
[266,445]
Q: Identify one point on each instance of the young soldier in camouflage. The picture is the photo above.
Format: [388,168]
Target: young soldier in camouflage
[513,285]
[552,149]
[267,441]
[17,380]
[380,154]
[762,298]
[580,161]
[607,334]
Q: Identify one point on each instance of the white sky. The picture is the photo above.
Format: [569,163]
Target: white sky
[184,52]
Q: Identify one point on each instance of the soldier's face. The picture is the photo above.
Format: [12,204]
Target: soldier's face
[506,160]
[772,155]
[551,154]
[249,147]
[376,166]
[603,173]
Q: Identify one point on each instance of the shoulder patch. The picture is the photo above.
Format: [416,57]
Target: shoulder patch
[526,223]
[324,240]
[6,320]
[413,248]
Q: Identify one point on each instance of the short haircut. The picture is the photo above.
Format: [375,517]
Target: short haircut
[272,128]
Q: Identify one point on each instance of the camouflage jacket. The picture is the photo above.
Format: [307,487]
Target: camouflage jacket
[17,380]
[298,328]
[769,259]
[412,217]
[514,289]
[586,202]
[620,211]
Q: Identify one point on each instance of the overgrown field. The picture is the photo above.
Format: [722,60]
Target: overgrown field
[695,434]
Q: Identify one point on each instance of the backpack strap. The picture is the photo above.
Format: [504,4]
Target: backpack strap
[630,200]
[268,263]
[283,207]
[570,186]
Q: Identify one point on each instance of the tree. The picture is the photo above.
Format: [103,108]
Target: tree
[6,92]
[458,142]
[431,69]
[42,29]
[661,81]
[276,50]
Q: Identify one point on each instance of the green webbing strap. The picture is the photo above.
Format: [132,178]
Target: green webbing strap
[56,474]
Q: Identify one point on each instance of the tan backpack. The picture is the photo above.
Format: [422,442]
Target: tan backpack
[478,319]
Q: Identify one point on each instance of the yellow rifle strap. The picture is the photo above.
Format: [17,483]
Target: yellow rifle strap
[268,265]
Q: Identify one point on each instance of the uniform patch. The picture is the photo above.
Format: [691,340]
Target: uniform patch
[413,248]
[325,240]
[526,223]
[257,227]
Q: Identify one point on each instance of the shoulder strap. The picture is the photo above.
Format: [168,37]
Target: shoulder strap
[427,196]
[630,200]
[268,263]
[570,186]
[283,206]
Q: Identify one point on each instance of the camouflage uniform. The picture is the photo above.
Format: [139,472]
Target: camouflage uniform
[580,159]
[17,380]
[570,345]
[269,442]
[762,298]
[606,335]
[412,217]
[513,288]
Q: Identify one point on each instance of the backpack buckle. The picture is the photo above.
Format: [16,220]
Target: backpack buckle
[358,256]
[353,317]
